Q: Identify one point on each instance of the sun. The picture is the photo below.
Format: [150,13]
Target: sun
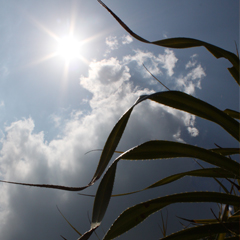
[69,48]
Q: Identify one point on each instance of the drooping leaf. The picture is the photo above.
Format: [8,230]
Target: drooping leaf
[138,213]
[165,149]
[206,172]
[232,113]
[200,232]
[173,99]
[88,234]
[226,151]
[103,195]
[190,104]
[207,221]
[101,200]
[69,223]
[59,187]
[185,43]
[112,142]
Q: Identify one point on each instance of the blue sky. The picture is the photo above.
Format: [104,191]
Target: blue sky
[53,111]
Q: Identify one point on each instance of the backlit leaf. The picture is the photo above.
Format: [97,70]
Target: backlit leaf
[138,213]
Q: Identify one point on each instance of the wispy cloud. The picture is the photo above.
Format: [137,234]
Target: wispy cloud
[4,71]
[169,61]
[192,62]
[112,42]
[154,63]
[126,39]
[192,80]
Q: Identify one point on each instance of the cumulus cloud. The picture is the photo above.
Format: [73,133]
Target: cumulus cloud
[112,42]
[154,63]
[192,80]
[126,39]
[168,60]
[26,156]
[177,137]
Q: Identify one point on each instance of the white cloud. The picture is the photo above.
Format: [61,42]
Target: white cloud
[26,157]
[192,62]
[191,81]
[193,131]
[189,121]
[112,42]
[169,61]
[105,80]
[56,119]
[126,39]
[154,63]
[177,137]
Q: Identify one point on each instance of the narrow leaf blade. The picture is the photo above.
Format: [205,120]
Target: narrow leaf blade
[200,232]
[138,213]
[166,149]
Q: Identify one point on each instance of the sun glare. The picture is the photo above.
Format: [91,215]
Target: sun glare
[69,48]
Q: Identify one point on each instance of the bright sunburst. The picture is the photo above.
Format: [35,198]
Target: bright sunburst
[69,48]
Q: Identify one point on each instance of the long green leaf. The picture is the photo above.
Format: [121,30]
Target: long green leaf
[185,43]
[226,151]
[111,144]
[103,195]
[69,223]
[151,150]
[167,149]
[88,234]
[206,172]
[207,230]
[138,213]
[173,99]
[232,113]
[101,200]
[112,141]
[207,221]
[190,104]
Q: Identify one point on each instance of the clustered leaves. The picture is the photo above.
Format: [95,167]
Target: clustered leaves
[224,226]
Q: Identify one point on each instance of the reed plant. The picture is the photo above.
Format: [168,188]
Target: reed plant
[223,226]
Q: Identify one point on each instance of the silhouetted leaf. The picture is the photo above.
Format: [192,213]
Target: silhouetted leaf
[138,213]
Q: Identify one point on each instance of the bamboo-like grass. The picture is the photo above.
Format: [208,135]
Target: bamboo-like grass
[224,226]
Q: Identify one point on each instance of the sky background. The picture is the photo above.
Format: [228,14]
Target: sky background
[53,111]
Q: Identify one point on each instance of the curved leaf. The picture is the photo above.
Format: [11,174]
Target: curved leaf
[206,172]
[88,234]
[112,141]
[166,149]
[207,221]
[103,196]
[69,222]
[232,113]
[101,200]
[111,145]
[175,99]
[190,104]
[185,43]
[207,230]
[226,151]
[138,213]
